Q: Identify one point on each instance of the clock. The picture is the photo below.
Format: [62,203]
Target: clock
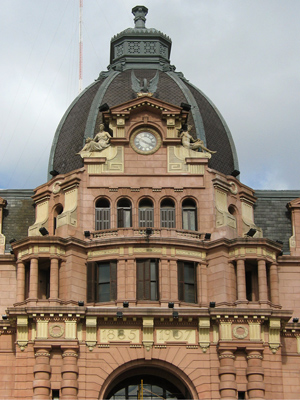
[145,141]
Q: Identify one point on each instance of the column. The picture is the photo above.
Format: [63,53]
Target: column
[255,375]
[274,283]
[20,281]
[164,280]
[69,374]
[34,276]
[262,281]
[121,279]
[227,374]
[54,262]
[232,283]
[241,280]
[203,294]
[42,371]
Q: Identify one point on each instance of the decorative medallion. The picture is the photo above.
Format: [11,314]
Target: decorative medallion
[240,332]
[56,331]
[145,141]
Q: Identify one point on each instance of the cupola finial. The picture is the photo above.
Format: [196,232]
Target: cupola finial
[139,13]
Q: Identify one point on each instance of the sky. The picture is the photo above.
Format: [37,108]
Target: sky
[244,55]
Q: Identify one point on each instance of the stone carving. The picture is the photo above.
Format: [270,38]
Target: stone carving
[99,143]
[144,87]
[190,143]
[56,331]
[240,332]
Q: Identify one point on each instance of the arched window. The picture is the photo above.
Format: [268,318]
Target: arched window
[167,214]
[146,213]
[189,215]
[57,211]
[124,213]
[102,214]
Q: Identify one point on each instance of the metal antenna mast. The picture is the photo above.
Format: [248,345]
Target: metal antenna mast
[80,44]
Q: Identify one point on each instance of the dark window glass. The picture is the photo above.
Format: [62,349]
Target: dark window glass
[167,214]
[189,215]
[102,214]
[146,387]
[58,210]
[147,279]
[44,279]
[101,281]
[146,214]
[124,213]
[251,280]
[187,288]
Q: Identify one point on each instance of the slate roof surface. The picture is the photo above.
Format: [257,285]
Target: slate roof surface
[271,214]
[18,215]
[74,124]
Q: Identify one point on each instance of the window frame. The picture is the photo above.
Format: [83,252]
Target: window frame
[102,216]
[93,284]
[146,220]
[167,214]
[184,284]
[121,213]
[146,283]
[191,212]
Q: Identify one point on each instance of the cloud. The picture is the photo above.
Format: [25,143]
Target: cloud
[243,55]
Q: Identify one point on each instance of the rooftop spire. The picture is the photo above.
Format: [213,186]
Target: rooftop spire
[139,13]
[140,47]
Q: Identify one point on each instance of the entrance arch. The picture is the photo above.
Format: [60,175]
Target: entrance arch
[158,379]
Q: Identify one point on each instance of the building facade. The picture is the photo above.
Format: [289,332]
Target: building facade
[146,269]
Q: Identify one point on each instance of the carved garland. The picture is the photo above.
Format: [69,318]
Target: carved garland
[240,335]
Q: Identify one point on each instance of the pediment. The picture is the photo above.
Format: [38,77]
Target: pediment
[3,202]
[294,203]
[146,101]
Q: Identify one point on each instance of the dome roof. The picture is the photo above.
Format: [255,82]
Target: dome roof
[140,57]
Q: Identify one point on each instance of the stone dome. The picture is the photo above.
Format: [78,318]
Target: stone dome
[140,61]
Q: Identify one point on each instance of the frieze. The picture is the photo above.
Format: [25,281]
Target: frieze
[120,335]
[176,335]
[102,252]
[191,253]
[147,250]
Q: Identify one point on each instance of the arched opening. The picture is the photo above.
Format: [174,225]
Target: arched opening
[57,211]
[102,214]
[167,214]
[234,214]
[124,213]
[146,213]
[189,215]
[147,382]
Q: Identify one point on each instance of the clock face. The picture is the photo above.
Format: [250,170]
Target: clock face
[145,142]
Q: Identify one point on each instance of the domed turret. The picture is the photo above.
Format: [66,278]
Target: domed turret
[140,61]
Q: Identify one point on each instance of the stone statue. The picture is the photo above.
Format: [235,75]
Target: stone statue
[190,143]
[99,143]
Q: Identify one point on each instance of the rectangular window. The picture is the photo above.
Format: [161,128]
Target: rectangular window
[147,279]
[251,280]
[44,279]
[187,288]
[27,279]
[102,218]
[101,281]
[167,217]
